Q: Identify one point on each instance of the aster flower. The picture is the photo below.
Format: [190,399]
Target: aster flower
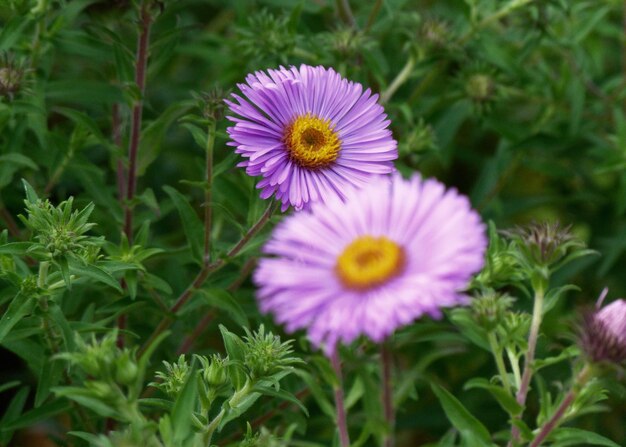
[604,332]
[394,251]
[309,133]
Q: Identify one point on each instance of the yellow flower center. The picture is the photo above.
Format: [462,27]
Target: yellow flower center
[369,261]
[311,142]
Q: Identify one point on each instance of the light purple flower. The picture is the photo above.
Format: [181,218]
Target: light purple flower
[309,133]
[604,332]
[393,251]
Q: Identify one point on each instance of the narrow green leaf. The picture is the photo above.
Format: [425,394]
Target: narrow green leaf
[42,413]
[96,273]
[9,385]
[224,300]
[566,436]
[19,307]
[281,394]
[506,400]
[192,226]
[15,248]
[184,406]
[31,195]
[461,418]
[12,413]
[235,349]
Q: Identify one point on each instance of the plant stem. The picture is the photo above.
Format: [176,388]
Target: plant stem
[210,316]
[553,422]
[372,17]
[400,79]
[514,361]
[387,394]
[208,207]
[497,355]
[145,22]
[342,425]
[345,12]
[529,357]
[198,281]
[116,136]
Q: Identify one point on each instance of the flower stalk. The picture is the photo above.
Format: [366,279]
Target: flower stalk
[522,393]
[553,422]
[387,394]
[342,426]
[141,61]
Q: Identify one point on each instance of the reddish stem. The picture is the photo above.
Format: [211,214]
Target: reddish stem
[135,129]
[342,425]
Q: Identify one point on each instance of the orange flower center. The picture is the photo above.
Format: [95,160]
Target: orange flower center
[311,142]
[369,261]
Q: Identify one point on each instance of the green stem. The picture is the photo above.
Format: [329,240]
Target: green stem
[400,79]
[514,361]
[529,357]
[497,355]
[345,12]
[208,207]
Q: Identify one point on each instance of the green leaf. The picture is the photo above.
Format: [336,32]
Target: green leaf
[31,195]
[192,226]
[96,273]
[235,349]
[11,414]
[15,248]
[224,300]
[64,268]
[469,427]
[86,399]
[42,413]
[183,408]
[49,376]
[9,385]
[19,307]
[566,436]
[505,399]
[280,394]
[19,160]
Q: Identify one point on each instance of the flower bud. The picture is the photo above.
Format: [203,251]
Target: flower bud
[125,369]
[604,333]
[480,87]
[490,308]
[10,81]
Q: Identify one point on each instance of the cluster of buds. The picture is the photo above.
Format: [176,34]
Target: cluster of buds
[541,248]
[103,359]
[267,36]
[347,42]
[603,335]
[501,265]
[211,103]
[59,231]
[265,355]
[11,77]
[490,308]
[171,381]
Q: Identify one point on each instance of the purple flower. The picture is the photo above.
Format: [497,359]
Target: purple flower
[309,133]
[604,332]
[393,251]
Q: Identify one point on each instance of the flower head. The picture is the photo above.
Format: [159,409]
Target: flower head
[604,332]
[309,133]
[394,251]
